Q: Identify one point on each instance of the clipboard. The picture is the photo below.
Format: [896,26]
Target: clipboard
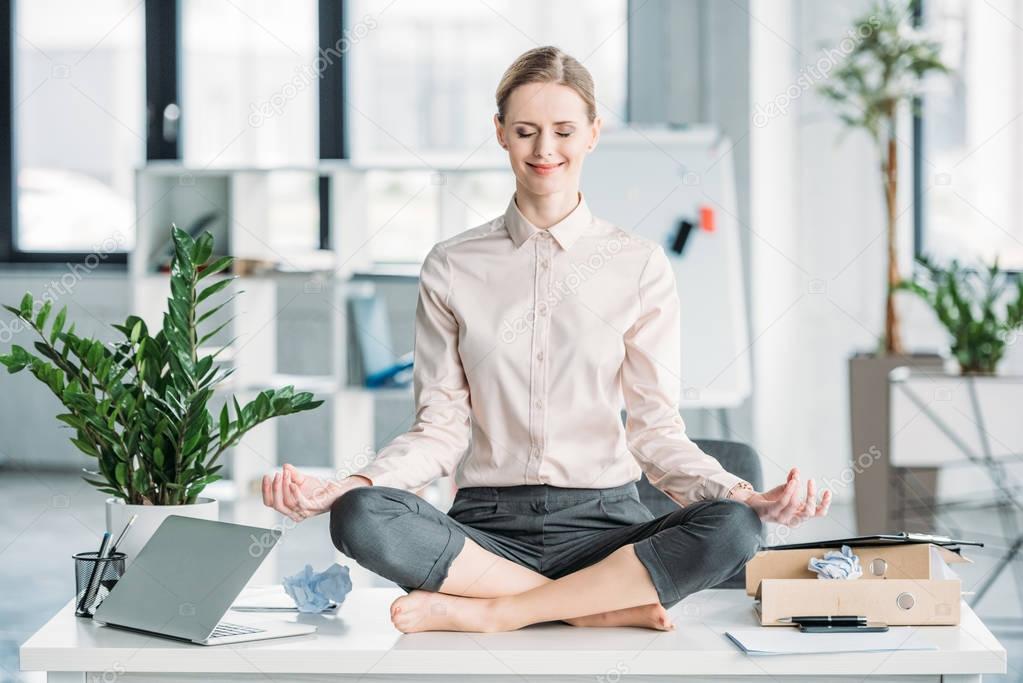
[901,537]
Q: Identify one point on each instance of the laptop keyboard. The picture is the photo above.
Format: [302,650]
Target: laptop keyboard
[225,629]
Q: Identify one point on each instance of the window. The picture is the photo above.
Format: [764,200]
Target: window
[249,83]
[79,124]
[971,165]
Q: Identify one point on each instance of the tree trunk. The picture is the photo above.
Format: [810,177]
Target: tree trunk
[890,170]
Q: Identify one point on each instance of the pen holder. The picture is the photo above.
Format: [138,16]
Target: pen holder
[101,573]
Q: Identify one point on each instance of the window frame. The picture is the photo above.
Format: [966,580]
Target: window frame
[162,48]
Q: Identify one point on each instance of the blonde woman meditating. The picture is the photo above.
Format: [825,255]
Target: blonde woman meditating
[531,331]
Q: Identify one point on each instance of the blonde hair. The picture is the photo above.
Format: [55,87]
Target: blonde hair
[546,64]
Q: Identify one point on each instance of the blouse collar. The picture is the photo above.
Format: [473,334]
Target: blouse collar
[566,231]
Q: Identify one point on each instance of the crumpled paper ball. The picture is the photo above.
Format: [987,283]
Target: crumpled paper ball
[314,592]
[837,565]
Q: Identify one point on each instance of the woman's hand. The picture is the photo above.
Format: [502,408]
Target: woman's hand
[299,496]
[786,504]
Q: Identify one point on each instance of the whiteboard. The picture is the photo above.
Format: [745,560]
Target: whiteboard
[645,180]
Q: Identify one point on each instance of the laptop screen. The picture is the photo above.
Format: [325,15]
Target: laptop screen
[186,576]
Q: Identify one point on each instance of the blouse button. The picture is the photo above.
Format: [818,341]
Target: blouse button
[539,355]
[543,264]
[539,403]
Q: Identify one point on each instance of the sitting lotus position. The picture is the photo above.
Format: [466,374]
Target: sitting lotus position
[533,330]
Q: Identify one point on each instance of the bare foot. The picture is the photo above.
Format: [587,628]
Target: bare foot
[428,611]
[647,616]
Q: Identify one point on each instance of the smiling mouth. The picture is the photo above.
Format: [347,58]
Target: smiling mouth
[545,168]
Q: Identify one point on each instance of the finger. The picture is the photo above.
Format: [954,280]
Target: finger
[275,491]
[268,498]
[304,505]
[810,504]
[822,508]
[286,496]
[279,497]
[786,496]
[795,501]
[296,476]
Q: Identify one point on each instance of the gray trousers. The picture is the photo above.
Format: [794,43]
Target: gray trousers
[552,530]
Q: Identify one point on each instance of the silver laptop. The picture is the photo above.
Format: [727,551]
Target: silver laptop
[184,580]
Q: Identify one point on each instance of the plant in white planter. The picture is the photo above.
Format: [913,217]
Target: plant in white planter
[139,405]
[883,73]
[972,305]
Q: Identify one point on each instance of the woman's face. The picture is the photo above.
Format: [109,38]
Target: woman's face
[547,135]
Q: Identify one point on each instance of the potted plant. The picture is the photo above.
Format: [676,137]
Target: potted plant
[139,406]
[881,75]
[971,304]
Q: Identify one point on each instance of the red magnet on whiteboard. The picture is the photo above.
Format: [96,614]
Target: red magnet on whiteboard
[707,218]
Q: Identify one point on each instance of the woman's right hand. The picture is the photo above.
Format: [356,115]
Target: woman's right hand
[299,496]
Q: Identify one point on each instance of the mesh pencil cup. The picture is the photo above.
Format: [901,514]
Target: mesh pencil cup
[103,574]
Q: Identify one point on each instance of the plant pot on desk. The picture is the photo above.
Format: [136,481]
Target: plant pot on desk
[869,430]
[150,518]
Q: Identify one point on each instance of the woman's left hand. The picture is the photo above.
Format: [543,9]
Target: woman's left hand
[786,504]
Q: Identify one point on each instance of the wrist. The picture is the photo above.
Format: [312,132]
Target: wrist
[354,481]
[741,491]
[336,488]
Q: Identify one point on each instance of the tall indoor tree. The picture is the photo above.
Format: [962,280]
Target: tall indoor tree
[882,74]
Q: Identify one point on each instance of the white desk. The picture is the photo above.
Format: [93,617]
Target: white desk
[359,643]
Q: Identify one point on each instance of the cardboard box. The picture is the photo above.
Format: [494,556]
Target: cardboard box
[902,585]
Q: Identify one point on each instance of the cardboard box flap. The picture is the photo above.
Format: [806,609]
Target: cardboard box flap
[882,562]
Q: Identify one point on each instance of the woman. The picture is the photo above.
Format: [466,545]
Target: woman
[530,331]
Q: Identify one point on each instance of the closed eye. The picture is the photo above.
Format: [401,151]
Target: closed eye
[529,135]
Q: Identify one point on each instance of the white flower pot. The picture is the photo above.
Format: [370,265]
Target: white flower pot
[150,518]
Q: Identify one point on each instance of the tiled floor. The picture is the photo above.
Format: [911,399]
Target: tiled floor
[45,517]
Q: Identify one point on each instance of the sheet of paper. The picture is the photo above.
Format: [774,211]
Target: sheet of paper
[940,568]
[784,640]
[266,598]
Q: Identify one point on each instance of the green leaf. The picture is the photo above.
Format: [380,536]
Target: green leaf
[136,332]
[220,264]
[213,289]
[86,447]
[217,329]
[225,425]
[203,248]
[183,247]
[121,473]
[43,314]
[26,305]
[58,324]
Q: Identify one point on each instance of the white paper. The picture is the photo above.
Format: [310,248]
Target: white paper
[940,568]
[266,598]
[786,640]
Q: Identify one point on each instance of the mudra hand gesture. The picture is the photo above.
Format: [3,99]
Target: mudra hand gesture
[300,496]
[786,504]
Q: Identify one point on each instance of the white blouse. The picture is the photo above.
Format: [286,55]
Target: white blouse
[527,342]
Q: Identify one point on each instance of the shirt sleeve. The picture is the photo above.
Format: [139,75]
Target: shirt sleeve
[440,436]
[651,371]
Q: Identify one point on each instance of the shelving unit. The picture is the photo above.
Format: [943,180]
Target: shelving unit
[170,192]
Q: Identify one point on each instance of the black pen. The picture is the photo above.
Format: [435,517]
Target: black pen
[92,587]
[838,620]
